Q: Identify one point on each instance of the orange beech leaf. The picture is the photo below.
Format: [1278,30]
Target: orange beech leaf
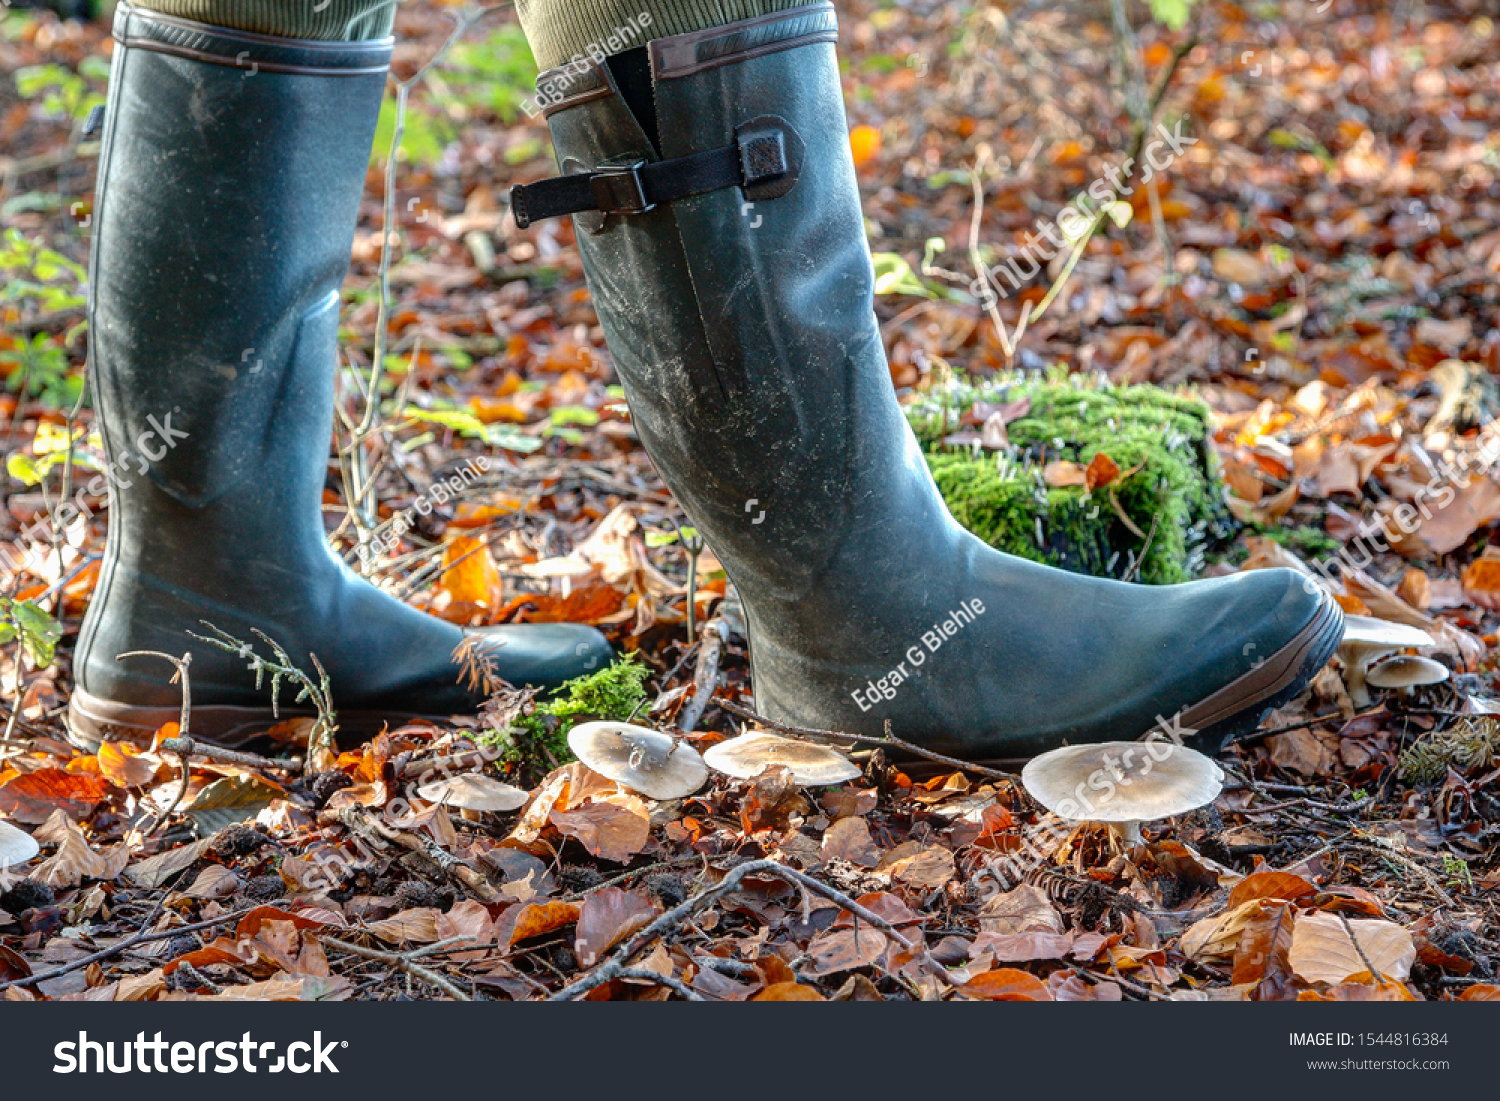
[864,143]
[121,763]
[469,576]
[788,992]
[1102,470]
[31,797]
[531,919]
[1269,885]
[1007,984]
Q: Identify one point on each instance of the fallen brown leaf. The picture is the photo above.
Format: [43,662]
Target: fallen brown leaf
[31,797]
[608,916]
[1322,952]
[1007,984]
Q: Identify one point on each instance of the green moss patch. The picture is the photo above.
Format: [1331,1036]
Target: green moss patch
[1158,439]
[538,736]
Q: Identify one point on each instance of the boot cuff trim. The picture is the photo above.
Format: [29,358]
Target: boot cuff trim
[145,30]
[571,84]
[685,54]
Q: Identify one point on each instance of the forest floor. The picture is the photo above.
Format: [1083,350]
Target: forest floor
[1320,263]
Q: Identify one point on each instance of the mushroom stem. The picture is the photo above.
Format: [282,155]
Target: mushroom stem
[1354,681]
[1127,833]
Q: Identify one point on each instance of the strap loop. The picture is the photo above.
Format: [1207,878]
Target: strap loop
[764,160]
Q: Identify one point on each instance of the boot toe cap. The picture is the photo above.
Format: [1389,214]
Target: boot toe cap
[545,655]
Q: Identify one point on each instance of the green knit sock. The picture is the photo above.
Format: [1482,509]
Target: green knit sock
[328,20]
[560,30]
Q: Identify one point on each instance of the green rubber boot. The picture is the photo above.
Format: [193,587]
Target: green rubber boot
[229,185]
[716,209]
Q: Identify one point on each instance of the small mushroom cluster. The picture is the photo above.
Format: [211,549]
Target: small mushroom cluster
[1122,784]
[660,767]
[1367,640]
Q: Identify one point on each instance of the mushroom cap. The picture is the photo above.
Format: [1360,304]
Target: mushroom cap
[1362,631]
[1122,781]
[1407,671]
[648,761]
[811,765]
[16,846]
[471,791]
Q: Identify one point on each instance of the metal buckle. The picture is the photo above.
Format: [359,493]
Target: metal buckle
[618,189]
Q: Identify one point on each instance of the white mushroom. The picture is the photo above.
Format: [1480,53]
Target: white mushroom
[1405,672]
[652,763]
[1122,783]
[1366,640]
[747,756]
[473,793]
[16,846]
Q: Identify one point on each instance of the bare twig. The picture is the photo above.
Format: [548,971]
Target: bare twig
[1354,940]
[674,984]
[990,303]
[130,942]
[361,821]
[636,874]
[1257,735]
[403,962]
[181,666]
[194,747]
[705,675]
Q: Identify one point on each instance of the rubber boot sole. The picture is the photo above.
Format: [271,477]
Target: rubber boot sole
[1233,711]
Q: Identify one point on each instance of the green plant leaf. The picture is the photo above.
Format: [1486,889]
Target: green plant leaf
[1172,13]
[893,275]
[39,631]
[1120,213]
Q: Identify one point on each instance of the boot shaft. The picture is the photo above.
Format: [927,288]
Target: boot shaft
[741,320]
[229,182]
[230,175]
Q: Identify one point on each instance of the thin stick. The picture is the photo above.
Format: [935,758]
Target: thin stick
[647,870]
[674,984]
[1354,940]
[131,942]
[404,963]
[193,747]
[705,674]
[1257,735]
[181,665]
[357,819]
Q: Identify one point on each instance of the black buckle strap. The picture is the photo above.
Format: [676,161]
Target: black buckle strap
[764,161]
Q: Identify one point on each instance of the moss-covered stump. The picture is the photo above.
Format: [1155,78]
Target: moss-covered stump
[1010,496]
